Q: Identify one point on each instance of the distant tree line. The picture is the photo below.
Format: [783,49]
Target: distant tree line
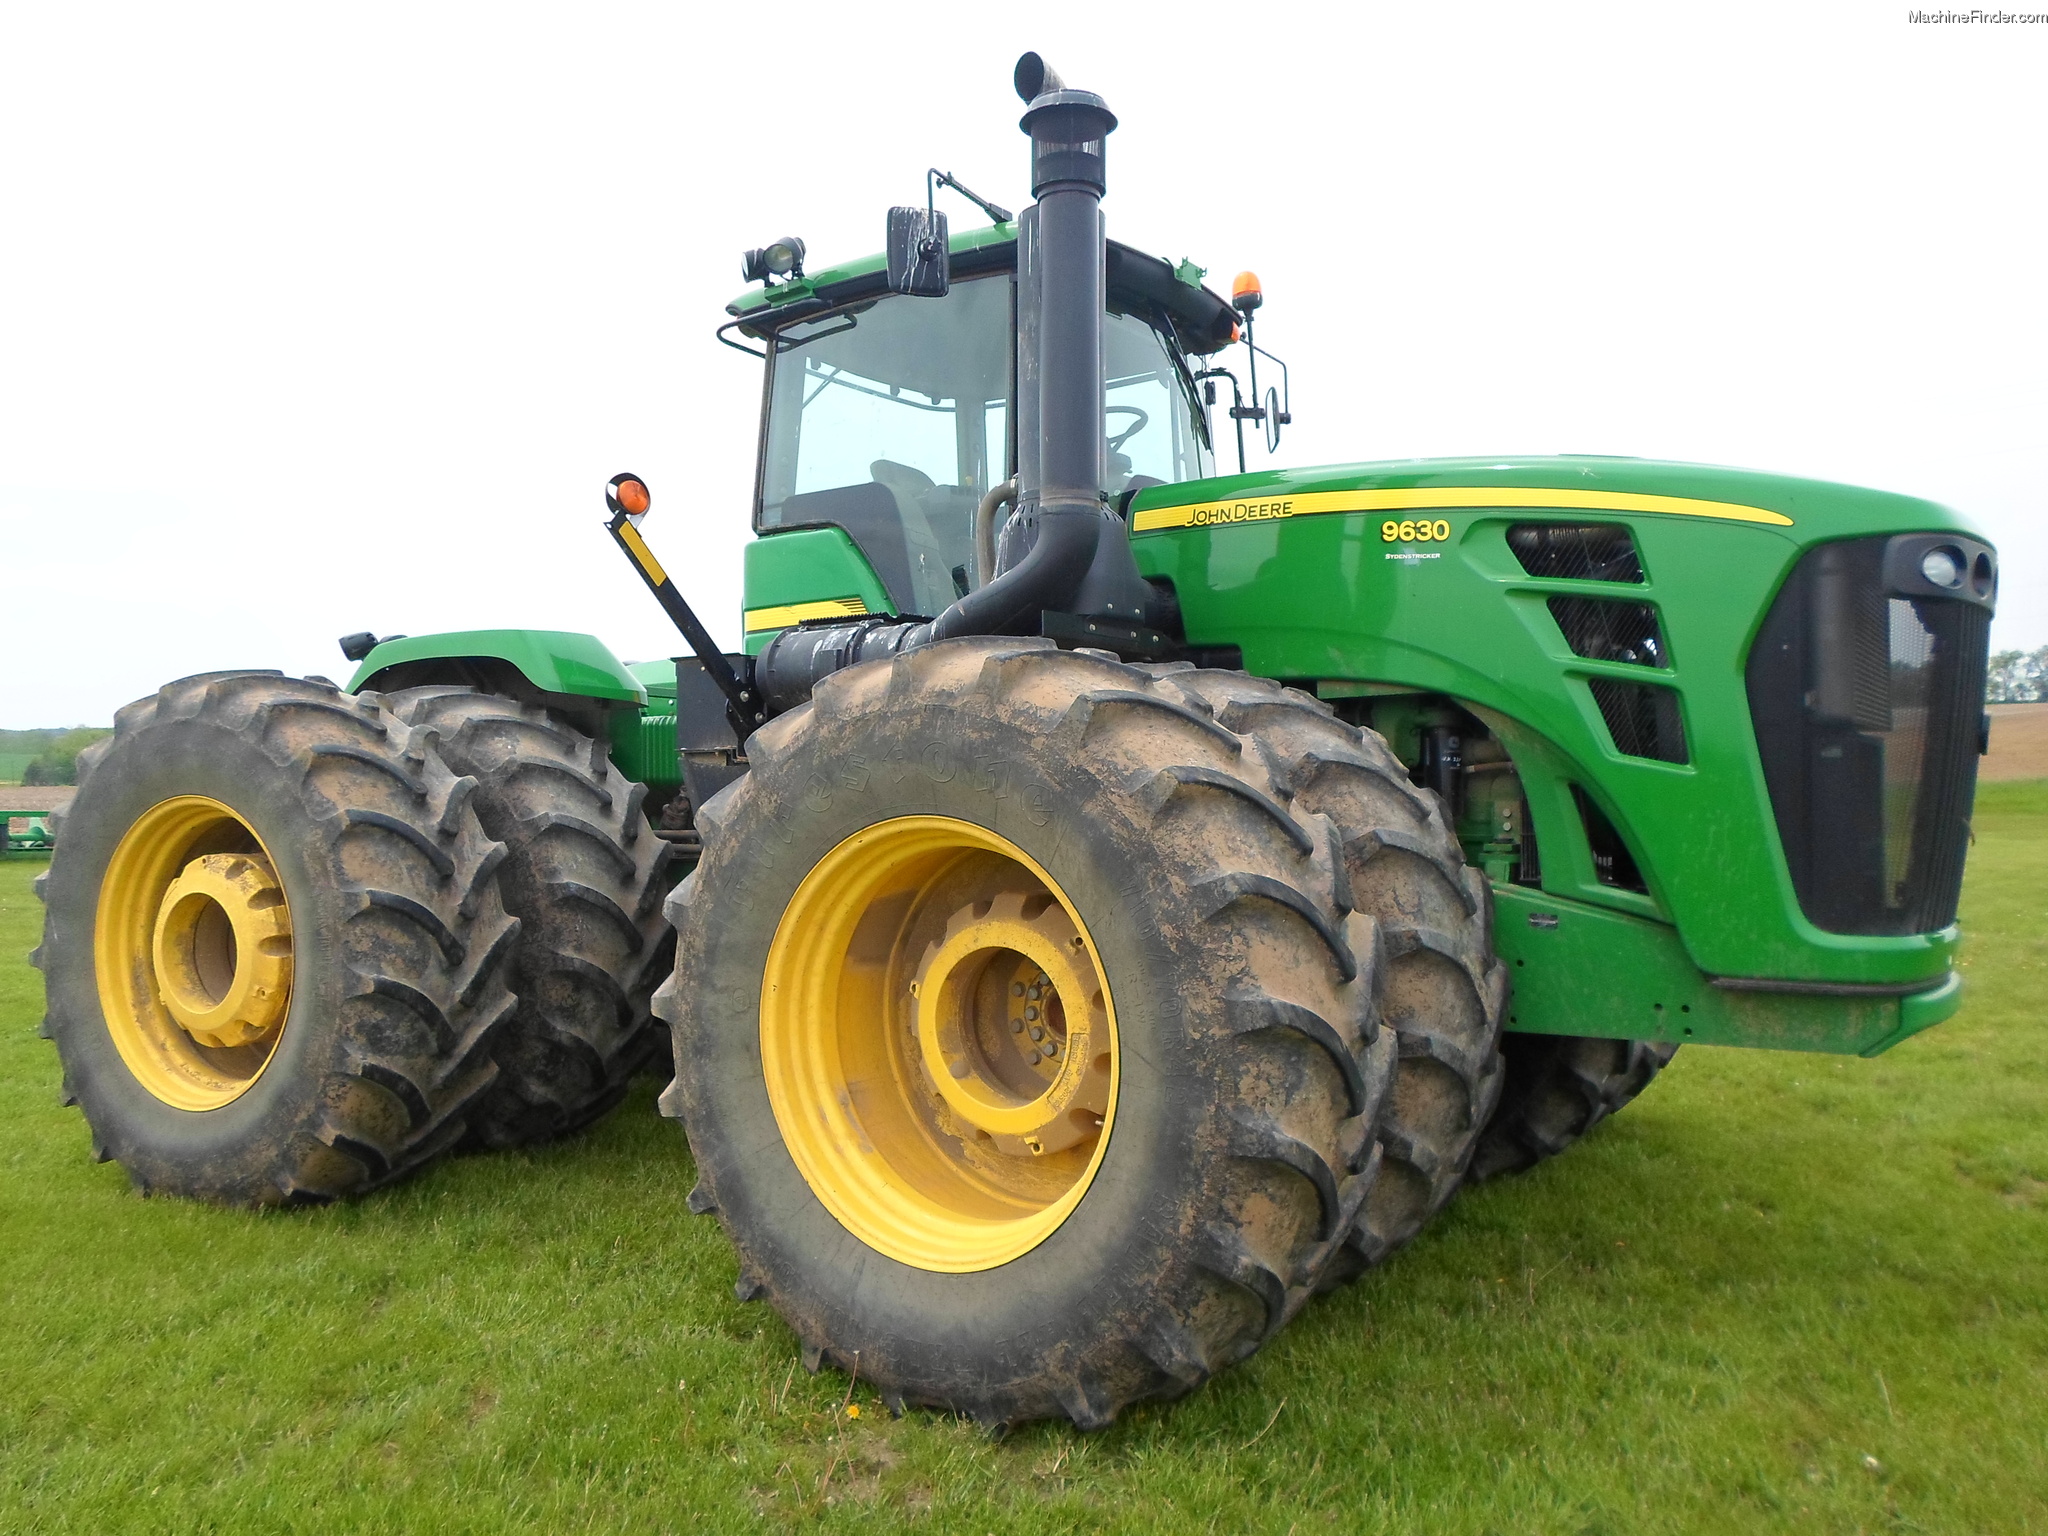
[52,754]
[2018,677]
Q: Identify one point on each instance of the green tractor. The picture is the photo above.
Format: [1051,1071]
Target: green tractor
[1108,901]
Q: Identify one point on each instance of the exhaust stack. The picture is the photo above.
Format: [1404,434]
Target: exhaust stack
[1063,548]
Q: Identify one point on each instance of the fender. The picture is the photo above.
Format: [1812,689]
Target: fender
[577,676]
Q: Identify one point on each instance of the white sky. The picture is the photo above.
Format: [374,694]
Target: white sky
[324,319]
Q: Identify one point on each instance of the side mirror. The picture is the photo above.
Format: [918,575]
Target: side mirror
[1275,420]
[920,260]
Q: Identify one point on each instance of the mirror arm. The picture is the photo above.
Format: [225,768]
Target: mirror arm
[1252,355]
[996,213]
[1286,389]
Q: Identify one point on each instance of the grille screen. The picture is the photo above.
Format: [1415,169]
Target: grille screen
[1607,630]
[1866,704]
[1576,551]
[1642,718]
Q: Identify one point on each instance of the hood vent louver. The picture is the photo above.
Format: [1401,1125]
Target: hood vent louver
[1642,718]
[1601,629]
[1576,551]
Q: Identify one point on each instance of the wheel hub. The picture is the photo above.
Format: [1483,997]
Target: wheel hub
[938,1042]
[192,949]
[1009,1017]
[222,949]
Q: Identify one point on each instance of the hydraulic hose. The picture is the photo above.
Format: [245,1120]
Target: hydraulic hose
[985,530]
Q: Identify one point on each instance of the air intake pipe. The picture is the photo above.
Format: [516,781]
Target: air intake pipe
[1063,549]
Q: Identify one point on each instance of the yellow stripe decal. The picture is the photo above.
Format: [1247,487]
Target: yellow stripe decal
[642,553]
[1254,509]
[795,613]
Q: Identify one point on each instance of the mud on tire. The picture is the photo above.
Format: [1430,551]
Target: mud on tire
[1558,1088]
[585,876]
[398,940]
[1242,1149]
[1445,991]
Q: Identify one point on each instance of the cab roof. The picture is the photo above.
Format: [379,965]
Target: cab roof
[1202,321]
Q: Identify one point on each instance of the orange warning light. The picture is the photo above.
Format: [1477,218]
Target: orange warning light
[633,497]
[1245,295]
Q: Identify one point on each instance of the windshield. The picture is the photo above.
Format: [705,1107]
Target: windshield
[1155,432]
[892,420]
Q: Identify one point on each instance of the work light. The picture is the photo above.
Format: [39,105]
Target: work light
[782,258]
[1942,566]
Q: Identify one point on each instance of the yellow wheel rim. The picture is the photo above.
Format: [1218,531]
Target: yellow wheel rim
[939,1043]
[192,948]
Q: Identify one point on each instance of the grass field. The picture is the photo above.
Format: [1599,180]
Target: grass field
[13,765]
[1780,1293]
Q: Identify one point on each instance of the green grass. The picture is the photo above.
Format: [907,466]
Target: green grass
[12,766]
[1781,1293]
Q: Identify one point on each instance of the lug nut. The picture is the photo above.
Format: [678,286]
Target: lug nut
[1030,1013]
[1016,989]
[1037,1033]
[1016,1026]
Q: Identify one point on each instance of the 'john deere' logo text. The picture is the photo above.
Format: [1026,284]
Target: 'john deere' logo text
[1240,512]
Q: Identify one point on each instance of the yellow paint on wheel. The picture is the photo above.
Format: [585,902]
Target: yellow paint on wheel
[192,950]
[939,1044]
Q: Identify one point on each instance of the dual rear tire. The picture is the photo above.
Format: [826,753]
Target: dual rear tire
[298,943]
[585,875]
[893,885]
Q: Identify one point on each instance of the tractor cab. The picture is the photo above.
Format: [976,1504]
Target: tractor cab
[891,417]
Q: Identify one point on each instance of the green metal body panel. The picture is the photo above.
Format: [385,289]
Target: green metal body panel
[554,661]
[657,677]
[1325,599]
[786,569]
[1581,963]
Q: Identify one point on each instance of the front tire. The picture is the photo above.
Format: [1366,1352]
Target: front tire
[1001,825]
[1558,1088]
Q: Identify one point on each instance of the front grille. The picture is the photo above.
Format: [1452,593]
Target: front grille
[1866,688]
[1606,630]
[1642,718]
[1576,551]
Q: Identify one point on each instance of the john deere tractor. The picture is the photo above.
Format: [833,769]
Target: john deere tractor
[1108,901]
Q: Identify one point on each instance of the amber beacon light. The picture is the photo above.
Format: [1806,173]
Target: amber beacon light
[628,494]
